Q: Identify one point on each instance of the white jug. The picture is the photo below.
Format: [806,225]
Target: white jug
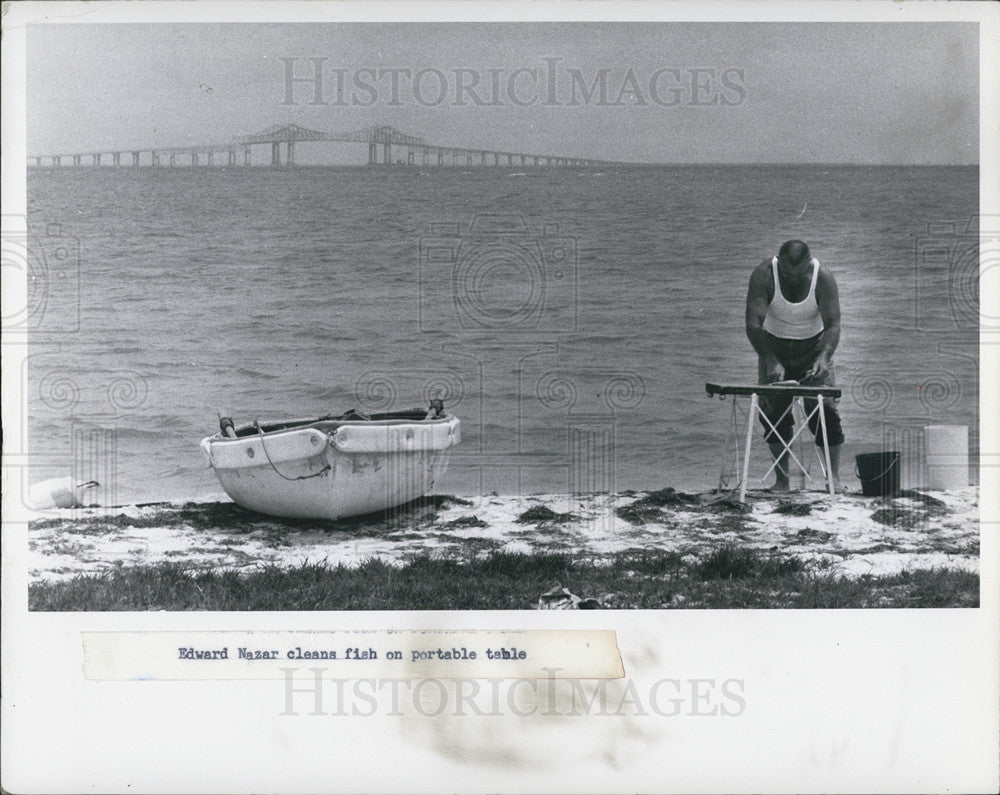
[58,493]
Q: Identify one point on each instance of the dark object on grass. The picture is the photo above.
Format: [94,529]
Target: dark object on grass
[538,514]
[792,508]
[559,598]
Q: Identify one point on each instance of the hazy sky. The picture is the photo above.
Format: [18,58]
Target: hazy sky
[673,92]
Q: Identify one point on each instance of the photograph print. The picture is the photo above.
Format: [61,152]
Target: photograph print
[500,316]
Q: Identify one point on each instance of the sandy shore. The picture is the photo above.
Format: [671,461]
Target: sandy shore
[848,534]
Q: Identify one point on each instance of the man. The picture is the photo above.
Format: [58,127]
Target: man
[793,322]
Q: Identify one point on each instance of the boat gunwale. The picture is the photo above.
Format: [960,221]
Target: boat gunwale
[322,424]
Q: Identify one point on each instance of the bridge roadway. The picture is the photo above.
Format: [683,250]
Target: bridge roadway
[379,139]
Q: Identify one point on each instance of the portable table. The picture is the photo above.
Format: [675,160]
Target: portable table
[797,393]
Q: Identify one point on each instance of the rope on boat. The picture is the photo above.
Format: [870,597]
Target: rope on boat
[260,432]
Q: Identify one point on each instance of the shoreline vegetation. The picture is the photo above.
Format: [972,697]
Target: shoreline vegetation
[650,550]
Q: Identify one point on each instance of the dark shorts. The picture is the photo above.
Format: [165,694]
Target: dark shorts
[797,357]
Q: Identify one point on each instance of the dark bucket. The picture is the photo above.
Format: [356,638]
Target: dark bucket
[878,473]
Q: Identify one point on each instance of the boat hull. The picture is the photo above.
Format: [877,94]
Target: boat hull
[333,470]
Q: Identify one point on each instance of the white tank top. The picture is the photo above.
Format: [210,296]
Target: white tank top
[790,321]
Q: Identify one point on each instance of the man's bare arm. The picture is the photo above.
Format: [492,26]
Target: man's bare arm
[757,301]
[828,298]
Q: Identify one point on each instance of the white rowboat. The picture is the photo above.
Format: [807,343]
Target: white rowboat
[332,468]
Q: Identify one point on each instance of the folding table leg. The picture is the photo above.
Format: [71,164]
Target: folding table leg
[826,444]
[751,418]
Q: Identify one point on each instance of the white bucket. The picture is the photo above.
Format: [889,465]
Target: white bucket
[58,493]
[947,456]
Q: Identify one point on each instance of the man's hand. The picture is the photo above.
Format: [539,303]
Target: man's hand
[773,370]
[818,372]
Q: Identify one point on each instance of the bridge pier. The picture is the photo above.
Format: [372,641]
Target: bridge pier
[211,158]
[425,157]
[76,160]
[57,160]
[246,155]
[173,160]
[97,159]
[409,158]
[372,153]
[231,157]
[386,154]
[135,158]
[194,158]
[290,159]
[440,158]
[275,153]
[156,157]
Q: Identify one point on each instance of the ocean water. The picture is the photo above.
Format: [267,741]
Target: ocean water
[569,317]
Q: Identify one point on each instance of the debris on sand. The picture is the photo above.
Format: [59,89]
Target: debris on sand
[793,508]
[929,503]
[728,505]
[902,518]
[668,497]
[639,514]
[466,521]
[537,514]
[648,507]
[808,535]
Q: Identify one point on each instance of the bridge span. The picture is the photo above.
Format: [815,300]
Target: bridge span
[382,140]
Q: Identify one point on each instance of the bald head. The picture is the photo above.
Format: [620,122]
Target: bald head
[794,252]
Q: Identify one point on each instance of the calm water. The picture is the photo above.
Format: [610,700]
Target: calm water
[575,351]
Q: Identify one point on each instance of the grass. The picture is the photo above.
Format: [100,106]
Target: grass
[728,577]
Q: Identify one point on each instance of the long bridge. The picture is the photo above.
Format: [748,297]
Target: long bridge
[379,139]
